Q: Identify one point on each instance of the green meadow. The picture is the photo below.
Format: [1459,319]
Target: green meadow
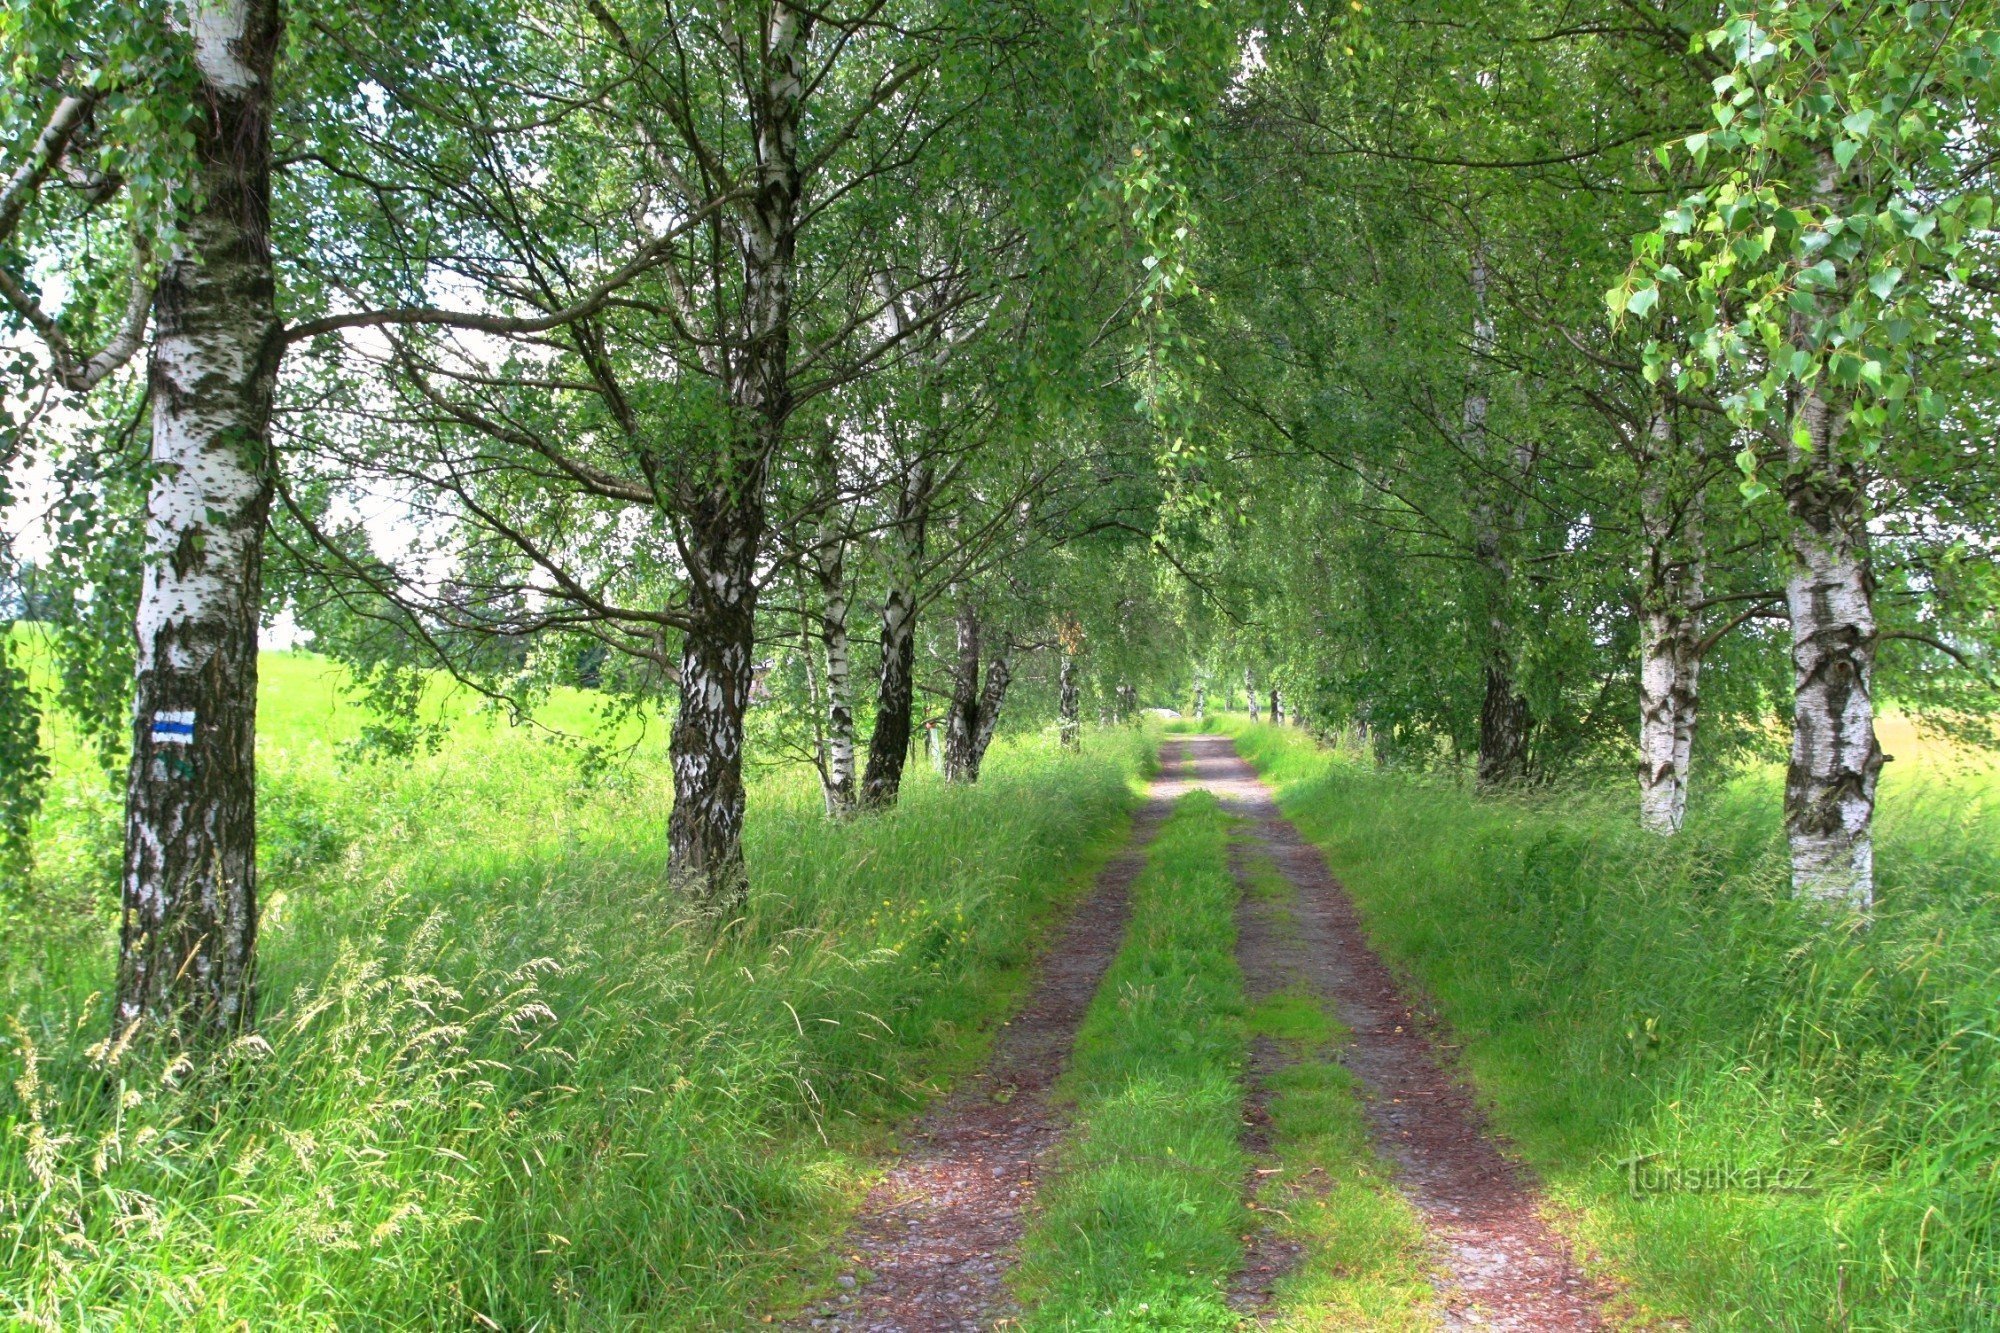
[495,1083]
[1645,1016]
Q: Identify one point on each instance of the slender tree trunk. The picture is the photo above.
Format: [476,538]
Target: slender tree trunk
[1068,707]
[1277,707]
[1200,699]
[1250,692]
[895,687]
[895,700]
[961,726]
[840,787]
[999,675]
[726,525]
[188,931]
[1670,635]
[1830,785]
[1504,716]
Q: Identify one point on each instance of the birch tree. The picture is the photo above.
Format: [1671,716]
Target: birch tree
[1835,213]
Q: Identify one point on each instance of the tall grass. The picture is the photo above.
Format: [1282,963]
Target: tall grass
[1623,996]
[500,1082]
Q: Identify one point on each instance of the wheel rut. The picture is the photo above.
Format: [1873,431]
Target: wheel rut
[1501,1265]
[936,1236]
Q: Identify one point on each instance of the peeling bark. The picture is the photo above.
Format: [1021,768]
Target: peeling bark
[705,830]
[188,928]
[1830,784]
[1670,634]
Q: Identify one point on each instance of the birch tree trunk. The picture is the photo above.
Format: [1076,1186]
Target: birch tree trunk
[1277,707]
[1830,784]
[1200,699]
[705,831]
[188,927]
[1830,597]
[1670,634]
[895,687]
[961,726]
[1069,706]
[998,676]
[726,526]
[840,792]
[1250,692]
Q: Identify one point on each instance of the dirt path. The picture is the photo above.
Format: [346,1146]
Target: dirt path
[938,1233]
[1504,1268]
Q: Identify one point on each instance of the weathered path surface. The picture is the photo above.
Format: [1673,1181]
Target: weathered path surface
[1504,1269]
[939,1232]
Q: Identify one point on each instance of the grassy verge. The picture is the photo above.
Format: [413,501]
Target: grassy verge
[1626,997]
[1363,1263]
[498,1084]
[1141,1222]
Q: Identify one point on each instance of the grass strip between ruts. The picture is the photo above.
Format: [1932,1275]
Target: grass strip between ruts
[1362,1261]
[1142,1220]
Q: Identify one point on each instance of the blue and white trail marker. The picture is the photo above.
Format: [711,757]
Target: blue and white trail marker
[174,728]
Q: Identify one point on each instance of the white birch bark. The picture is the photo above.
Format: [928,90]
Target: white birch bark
[1830,783]
[1835,761]
[840,791]
[189,921]
[1670,633]
[1068,704]
[726,524]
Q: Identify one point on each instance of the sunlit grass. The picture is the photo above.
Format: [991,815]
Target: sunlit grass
[1623,995]
[500,1083]
[1363,1259]
[1141,1220]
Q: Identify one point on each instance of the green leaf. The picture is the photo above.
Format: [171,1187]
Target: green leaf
[1639,302]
